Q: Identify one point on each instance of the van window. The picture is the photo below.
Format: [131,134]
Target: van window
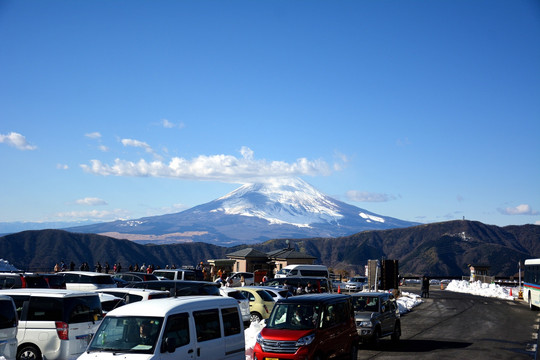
[70,310]
[231,321]
[45,309]
[189,275]
[166,274]
[7,283]
[8,316]
[71,278]
[82,309]
[19,303]
[36,282]
[178,329]
[315,273]
[207,324]
[100,279]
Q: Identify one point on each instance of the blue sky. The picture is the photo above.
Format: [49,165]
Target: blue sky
[421,110]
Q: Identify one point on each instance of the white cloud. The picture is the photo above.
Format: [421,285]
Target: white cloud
[103,148]
[170,125]
[140,144]
[523,209]
[62,166]
[364,196]
[537,222]
[17,141]
[222,167]
[93,135]
[91,201]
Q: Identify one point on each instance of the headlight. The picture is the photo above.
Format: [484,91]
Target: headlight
[259,339]
[306,340]
[364,323]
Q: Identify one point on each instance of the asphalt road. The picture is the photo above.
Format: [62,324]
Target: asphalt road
[451,325]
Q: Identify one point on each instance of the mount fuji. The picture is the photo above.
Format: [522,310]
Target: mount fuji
[253,213]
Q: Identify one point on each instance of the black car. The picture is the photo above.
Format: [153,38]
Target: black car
[180,287]
[17,280]
[55,281]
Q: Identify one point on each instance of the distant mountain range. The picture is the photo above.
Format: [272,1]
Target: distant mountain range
[283,208]
[439,249]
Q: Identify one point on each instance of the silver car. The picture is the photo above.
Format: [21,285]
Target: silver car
[377,315]
[356,283]
[243,302]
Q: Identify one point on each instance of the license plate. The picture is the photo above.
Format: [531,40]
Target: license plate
[271,358]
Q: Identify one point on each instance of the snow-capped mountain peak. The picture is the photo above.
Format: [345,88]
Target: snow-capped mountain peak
[281,201]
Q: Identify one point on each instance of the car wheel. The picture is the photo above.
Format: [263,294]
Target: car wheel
[28,352]
[531,306]
[256,317]
[376,339]
[397,333]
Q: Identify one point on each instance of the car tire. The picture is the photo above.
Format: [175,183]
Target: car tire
[376,339]
[29,352]
[255,317]
[531,306]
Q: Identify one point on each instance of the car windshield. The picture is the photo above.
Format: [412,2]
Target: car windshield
[366,303]
[294,317]
[127,334]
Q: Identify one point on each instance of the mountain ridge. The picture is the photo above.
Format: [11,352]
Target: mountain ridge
[253,213]
[441,249]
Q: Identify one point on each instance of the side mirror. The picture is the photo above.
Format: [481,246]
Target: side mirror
[169,345]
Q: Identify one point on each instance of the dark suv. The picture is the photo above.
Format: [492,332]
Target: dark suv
[312,326]
[377,315]
[22,280]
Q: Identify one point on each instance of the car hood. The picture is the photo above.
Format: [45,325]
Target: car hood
[284,335]
[364,315]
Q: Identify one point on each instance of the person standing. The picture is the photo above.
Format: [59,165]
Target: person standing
[425,286]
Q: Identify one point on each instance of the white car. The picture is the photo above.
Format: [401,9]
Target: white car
[277,293]
[131,295]
[237,277]
[87,280]
[187,327]
[243,302]
[356,283]
[55,324]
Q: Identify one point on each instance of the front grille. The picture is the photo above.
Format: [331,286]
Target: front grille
[280,347]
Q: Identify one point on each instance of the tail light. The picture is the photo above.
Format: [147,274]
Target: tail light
[266,309]
[23,282]
[62,329]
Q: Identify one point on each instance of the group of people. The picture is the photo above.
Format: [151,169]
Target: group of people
[300,290]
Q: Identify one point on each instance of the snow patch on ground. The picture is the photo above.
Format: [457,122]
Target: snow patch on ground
[481,289]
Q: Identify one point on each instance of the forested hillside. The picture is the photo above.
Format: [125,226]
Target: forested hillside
[442,249]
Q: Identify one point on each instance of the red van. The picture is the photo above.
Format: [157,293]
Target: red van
[313,326]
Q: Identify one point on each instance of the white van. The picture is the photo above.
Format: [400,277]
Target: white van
[189,327]
[54,324]
[87,280]
[8,328]
[303,271]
